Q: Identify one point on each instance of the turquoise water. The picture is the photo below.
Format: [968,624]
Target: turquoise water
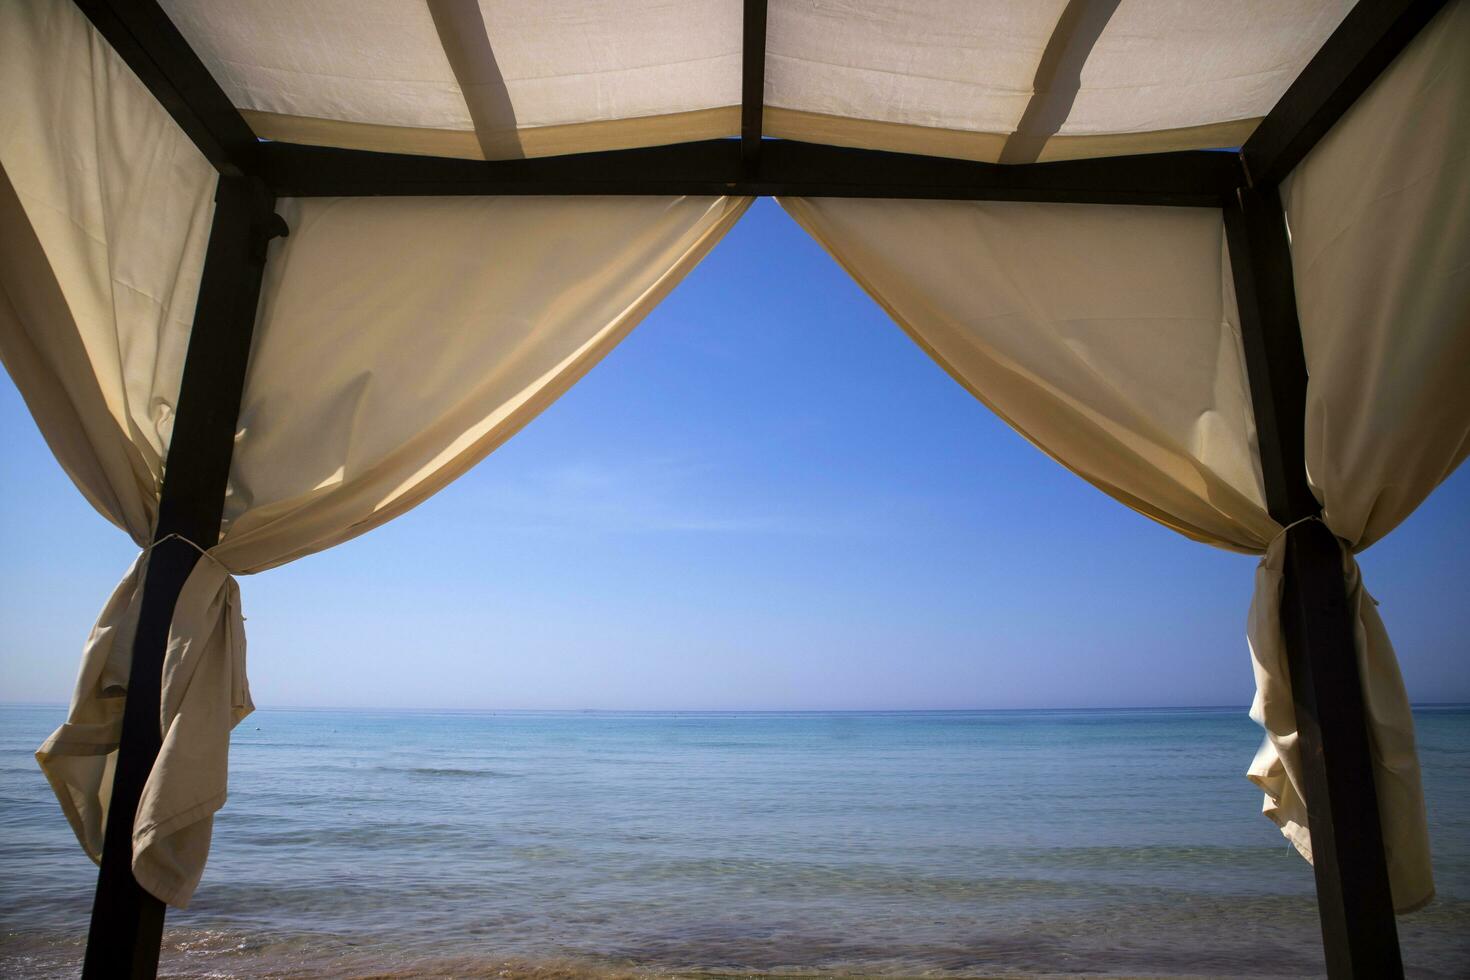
[974,843]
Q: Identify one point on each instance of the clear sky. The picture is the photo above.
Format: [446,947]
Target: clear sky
[766,498]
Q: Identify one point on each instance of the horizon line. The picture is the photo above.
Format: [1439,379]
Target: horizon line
[744,711]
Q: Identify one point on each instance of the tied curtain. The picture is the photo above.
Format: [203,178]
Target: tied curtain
[398,342]
[1108,337]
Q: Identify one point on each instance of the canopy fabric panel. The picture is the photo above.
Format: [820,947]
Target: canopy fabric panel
[105,212]
[402,339]
[1178,67]
[1104,334]
[961,78]
[508,78]
[1380,221]
[398,342]
[499,79]
[918,73]
[106,215]
[1108,337]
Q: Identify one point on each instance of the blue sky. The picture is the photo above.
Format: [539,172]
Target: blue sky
[766,498]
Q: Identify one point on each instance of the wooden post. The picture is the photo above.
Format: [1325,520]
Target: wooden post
[1353,897]
[127,922]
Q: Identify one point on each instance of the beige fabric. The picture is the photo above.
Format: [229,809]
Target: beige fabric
[1380,221]
[949,77]
[402,339]
[1277,767]
[969,66]
[940,64]
[381,61]
[399,341]
[205,694]
[1208,136]
[120,201]
[1100,332]
[706,124]
[543,141]
[1162,65]
[105,211]
[871,134]
[374,61]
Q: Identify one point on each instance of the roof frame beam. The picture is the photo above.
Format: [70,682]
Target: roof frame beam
[752,84]
[147,40]
[784,167]
[1368,39]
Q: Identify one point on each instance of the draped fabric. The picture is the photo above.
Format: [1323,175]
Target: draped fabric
[1277,766]
[398,342]
[106,212]
[510,78]
[105,208]
[1104,334]
[1108,337]
[402,340]
[1380,227]
[1380,233]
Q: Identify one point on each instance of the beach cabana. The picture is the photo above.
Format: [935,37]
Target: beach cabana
[274,272]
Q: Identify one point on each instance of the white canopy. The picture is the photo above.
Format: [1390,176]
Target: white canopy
[400,340]
[947,77]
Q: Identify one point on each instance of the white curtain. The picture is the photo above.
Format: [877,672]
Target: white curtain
[398,342]
[1379,214]
[945,77]
[104,188]
[1107,336]
[1099,332]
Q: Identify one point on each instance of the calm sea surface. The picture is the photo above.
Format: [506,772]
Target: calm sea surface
[551,844]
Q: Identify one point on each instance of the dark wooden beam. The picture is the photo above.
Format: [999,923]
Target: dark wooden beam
[1354,899]
[1265,293]
[153,48]
[1369,37]
[127,922]
[752,84]
[1353,896]
[787,167]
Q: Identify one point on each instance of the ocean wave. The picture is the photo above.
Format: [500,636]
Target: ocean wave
[432,772]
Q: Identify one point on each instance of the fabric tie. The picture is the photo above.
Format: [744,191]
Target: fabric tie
[205,694]
[1277,768]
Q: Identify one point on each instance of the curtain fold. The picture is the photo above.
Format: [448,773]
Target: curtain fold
[398,342]
[1099,332]
[1108,336]
[106,207]
[401,340]
[1379,213]
[1380,225]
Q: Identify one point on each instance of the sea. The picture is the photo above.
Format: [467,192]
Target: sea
[553,845]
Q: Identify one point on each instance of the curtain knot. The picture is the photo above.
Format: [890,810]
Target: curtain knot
[193,544]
